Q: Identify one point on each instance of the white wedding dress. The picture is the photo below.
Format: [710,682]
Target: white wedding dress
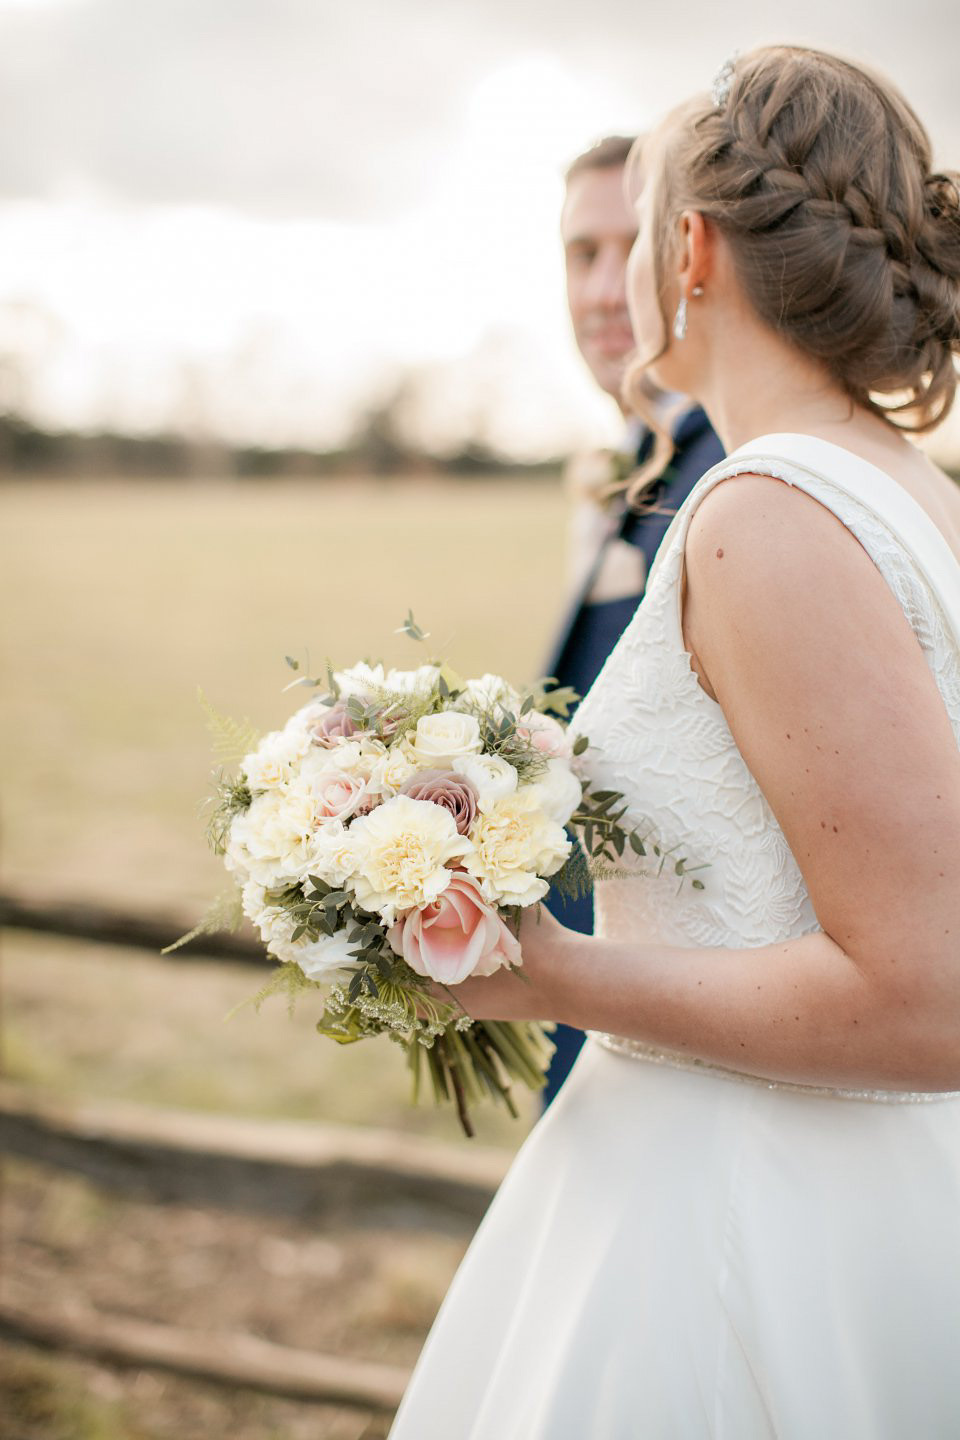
[681,1252]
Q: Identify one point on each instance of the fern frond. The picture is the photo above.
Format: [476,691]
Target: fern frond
[287,979]
[224,913]
[574,880]
[232,739]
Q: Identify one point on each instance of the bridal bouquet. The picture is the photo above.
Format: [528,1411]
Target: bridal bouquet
[384,843]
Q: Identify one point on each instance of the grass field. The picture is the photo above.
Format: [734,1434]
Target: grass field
[118,601]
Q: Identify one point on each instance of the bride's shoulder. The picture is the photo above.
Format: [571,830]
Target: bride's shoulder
[752,527]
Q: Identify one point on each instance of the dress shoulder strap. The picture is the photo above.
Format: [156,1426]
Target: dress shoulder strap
[821,467]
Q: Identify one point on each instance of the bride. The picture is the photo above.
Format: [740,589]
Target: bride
[741,1218]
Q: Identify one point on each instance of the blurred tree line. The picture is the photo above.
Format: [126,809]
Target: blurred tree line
[377,447]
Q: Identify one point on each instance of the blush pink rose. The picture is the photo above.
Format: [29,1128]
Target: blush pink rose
[338,795]
[332,727]
[546,735]
[459,935]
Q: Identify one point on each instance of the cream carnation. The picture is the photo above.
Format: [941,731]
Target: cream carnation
[274,761]
[270,841]
[331,855]
[402,850]
[515,843]
[443,740]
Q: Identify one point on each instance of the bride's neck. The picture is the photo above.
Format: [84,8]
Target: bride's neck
[762,385]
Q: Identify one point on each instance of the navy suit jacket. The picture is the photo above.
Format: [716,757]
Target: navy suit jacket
[590,631]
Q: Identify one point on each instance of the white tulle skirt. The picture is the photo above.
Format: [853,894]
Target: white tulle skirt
[677,1255]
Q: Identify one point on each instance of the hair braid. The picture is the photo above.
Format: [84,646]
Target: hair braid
[819,175]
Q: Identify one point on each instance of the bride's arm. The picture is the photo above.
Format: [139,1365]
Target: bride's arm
[834,709]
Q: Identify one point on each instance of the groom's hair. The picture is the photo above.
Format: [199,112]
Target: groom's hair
[606,154]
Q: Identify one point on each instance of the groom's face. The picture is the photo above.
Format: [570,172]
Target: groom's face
[598,228]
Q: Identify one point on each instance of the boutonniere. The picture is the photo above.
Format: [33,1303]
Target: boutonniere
[601,476]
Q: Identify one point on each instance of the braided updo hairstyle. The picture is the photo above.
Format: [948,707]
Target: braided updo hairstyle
[818,174]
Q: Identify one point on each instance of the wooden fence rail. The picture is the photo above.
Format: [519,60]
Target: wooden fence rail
[300,1169]
[107,926]
[238,1361]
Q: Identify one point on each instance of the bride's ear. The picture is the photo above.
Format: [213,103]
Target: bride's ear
[696,251]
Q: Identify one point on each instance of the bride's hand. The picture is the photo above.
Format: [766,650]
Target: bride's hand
[531,994]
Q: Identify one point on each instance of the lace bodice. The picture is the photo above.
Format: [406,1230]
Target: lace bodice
[663,742]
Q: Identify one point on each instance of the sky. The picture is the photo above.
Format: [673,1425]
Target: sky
[246,218]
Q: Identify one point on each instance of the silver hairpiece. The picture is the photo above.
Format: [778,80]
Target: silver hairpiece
[723,81]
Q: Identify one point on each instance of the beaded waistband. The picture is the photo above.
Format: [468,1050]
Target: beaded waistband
[637,1050]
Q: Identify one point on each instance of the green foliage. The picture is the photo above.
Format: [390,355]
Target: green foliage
[411,628]
[560,699]
[574,879]
[288,980]
[224,913]
[231,738]
[231,797]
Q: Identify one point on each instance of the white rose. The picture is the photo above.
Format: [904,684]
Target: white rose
[402,849]
[491,776]
[274,762]
[514,844]
[442,740]
[558,790]
[337,795]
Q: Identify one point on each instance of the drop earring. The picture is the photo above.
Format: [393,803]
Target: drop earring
[680,319]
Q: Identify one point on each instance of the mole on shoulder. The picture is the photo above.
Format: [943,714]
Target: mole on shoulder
[720,554]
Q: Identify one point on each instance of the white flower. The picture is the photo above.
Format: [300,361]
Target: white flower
[392,771]
[488,692]
[269,842]
[329,958]
[357,758]
[332,855]
[402,849]
[491,776]
[558,791]
[252,900]
[301,720]
[413,682]
[515,843]
[545,734]
[443,740]
[274,761]
[364,680]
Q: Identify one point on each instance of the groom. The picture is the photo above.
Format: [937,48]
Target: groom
[613,546]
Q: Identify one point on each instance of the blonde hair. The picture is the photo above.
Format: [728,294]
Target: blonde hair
[818,174]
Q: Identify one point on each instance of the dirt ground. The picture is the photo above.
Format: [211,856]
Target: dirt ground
[366,1294]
